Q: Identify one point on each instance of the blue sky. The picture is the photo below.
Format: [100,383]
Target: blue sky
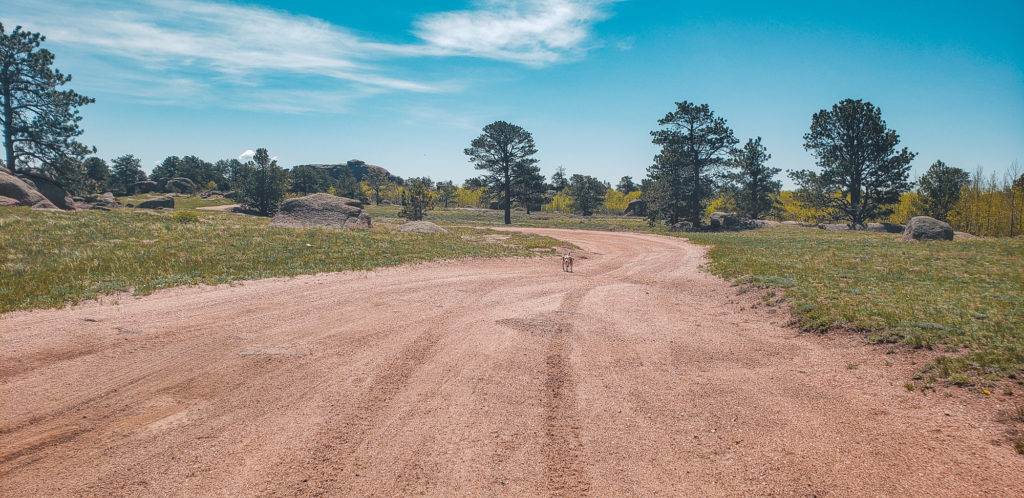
[408,84]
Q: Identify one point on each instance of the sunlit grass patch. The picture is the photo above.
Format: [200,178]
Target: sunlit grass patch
[52,259]
[965,296]
[184,202]
[490,217]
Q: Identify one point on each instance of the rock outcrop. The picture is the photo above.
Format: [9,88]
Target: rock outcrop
[885,227]
[321,210]
[183,185]
[420,227]
[927,228]
[104,202]
[49,188]
[724,220]
[144,187]
[636,207]
[157,203]
[15,190]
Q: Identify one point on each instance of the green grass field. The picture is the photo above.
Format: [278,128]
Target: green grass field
[180,202]
[486,217]
[53,259]
[963,298]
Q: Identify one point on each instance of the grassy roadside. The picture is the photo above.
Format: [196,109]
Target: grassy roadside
[965,298]
[53,259]
[486,217]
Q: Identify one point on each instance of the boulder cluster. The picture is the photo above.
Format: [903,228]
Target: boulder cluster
[920,228]
[34,189]
[321,210]
[104,202]
[39,190]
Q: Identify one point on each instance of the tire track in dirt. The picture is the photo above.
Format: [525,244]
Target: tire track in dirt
[562,448]
[336,444]
[564,470]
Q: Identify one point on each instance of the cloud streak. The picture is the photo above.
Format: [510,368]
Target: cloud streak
[533,32]
[206,44]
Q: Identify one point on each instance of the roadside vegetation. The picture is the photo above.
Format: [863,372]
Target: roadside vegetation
[54,259]
[489,217]
[962,299]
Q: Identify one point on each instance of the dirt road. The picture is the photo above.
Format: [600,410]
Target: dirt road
[637,374]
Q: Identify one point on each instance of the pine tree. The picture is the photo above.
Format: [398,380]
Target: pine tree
[694,152]
[263,185]
[754,180]
[503,150]
[940,189]
[862,173]
[40,122]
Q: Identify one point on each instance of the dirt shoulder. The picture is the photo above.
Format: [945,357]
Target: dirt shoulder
[637,374]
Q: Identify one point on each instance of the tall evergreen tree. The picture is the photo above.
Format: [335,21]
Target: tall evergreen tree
[940,189]
[445,192]
[862,173]
[558,180]
[695,146]
[307,179]
[417,198]
[587,193]
[40,122]
[97,175]
[502,150]
[126,170]
[626,185]
[755,181]
[528,189]
[231,170]
[167,169]
[263,185]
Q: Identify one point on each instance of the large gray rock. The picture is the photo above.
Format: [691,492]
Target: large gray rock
[157,203]
[884,227]
[636,207]
[724,220]
[420,227]
[20,191]
[144,187]
[321,210]
[927,228]
[50,188]
[183,185]
[764,223]
[104,202]
[834,226]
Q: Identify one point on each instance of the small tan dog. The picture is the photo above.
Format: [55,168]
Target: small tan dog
[567,262]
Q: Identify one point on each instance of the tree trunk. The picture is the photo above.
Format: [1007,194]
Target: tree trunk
[508,198]
[695,195]
[8,133]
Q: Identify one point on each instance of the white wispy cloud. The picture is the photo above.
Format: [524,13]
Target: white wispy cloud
[534,32]
[194,46]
